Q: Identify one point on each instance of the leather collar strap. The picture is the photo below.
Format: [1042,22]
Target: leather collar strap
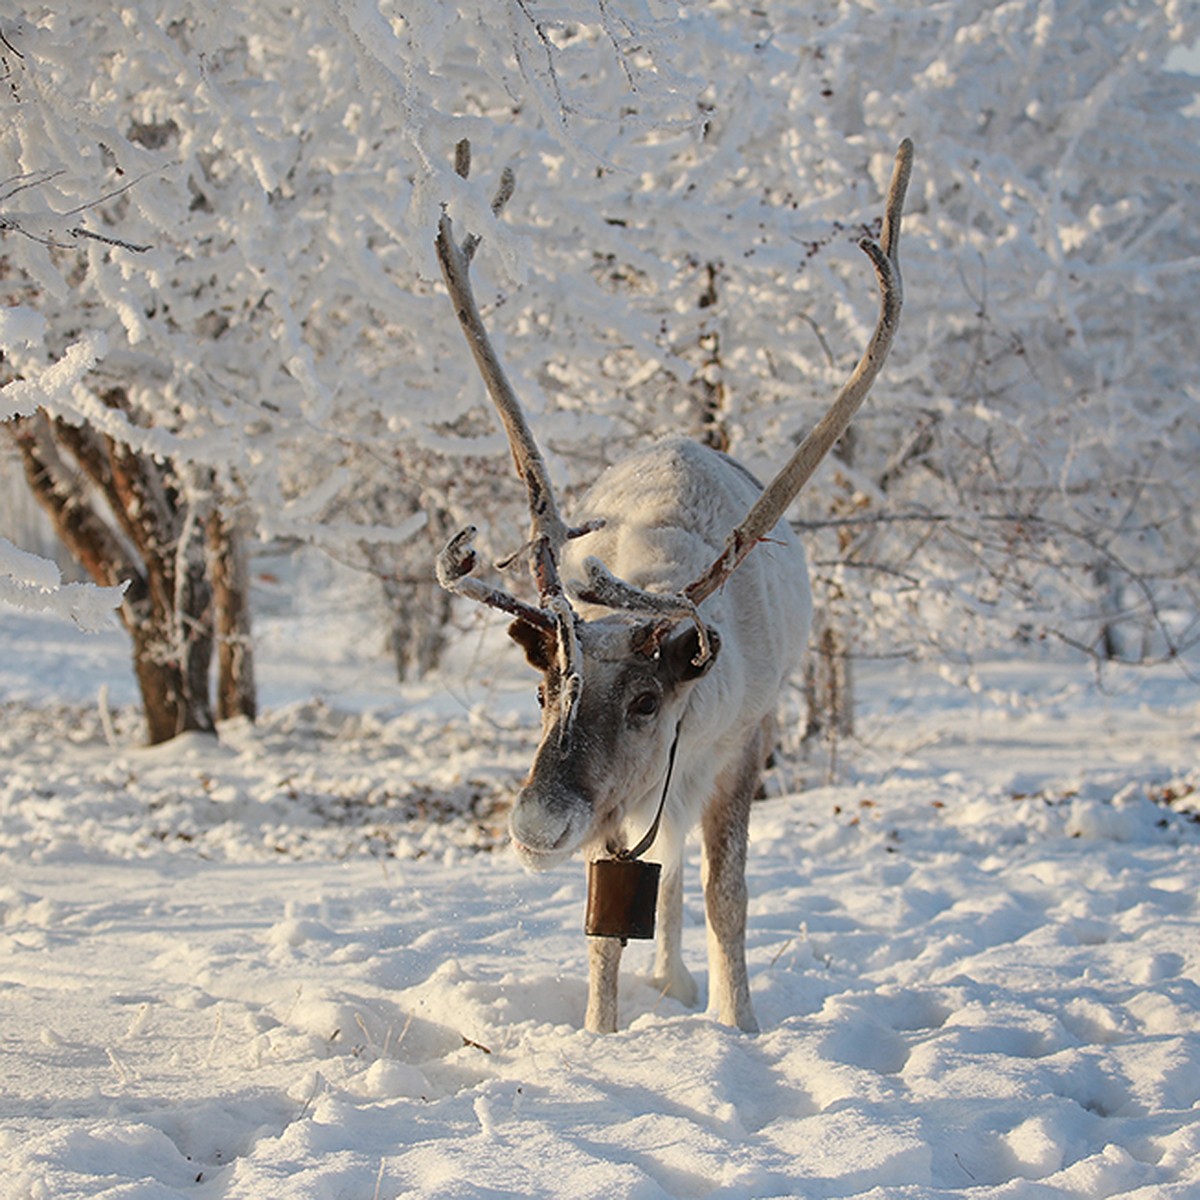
[652,832]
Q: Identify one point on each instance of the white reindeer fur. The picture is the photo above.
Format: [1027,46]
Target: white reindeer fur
[668,511]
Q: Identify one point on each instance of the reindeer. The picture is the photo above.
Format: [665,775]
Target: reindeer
[686,608]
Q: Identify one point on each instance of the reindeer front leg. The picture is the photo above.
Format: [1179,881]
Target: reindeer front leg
[726,832]
[604,961]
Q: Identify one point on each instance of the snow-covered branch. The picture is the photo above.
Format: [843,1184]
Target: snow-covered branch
[35,584]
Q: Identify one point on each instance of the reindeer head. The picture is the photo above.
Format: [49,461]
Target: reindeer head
[607,729]
[613,689]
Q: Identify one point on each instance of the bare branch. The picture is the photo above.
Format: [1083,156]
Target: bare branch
[80,232]
[28,179]
[10,46]
[12,222]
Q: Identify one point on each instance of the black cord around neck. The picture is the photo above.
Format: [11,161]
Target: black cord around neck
[652,832]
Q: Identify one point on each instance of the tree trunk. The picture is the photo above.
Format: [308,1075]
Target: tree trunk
[829,687]
[168,687]
[236,692]
[418,638]
[710,379]
[1115,635]
[420,607]
[189,617]
[156,552]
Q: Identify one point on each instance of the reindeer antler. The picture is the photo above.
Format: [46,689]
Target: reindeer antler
[454,566]
[799,469]
[547,532]
[603,588]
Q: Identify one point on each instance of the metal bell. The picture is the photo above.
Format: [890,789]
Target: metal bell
[622,895]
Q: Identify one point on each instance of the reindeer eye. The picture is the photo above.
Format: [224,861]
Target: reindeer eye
[644,704]
[541,696]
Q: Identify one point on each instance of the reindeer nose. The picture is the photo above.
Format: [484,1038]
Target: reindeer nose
[535,824]
[547,824]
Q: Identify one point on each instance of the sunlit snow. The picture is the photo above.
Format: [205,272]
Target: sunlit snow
[286,964]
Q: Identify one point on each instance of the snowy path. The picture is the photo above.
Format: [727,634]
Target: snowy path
[977,967]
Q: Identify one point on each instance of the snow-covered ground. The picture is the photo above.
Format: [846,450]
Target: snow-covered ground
[289,965]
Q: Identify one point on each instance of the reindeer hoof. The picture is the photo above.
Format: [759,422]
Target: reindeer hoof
[743,1020]
[679,985]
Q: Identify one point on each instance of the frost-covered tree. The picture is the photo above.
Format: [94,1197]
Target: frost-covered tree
[1057,424]
[1023,469]
[229,214]
[233,208]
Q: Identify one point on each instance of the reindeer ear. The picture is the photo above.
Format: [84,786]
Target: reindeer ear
[539,644]
[681,649]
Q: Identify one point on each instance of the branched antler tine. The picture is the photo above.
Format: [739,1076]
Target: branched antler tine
[601,586]
[570,656]
[503,194]
[889,234]
[454,566]
[462,168]
[784,488]
[458,557]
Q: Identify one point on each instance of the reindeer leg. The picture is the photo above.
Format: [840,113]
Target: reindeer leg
[726,829]
[671,977]
[604,961]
